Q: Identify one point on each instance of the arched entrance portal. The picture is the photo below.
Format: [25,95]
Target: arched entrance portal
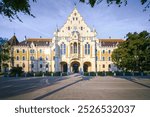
[64,67]
[75,66]
[86,67]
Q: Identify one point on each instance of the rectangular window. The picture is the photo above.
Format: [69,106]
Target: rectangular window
[103,66]
[103,58]
[32,65]
[40,50]
[23,51]
[88,48]
[41,65]
[23,58]
[17,51]
[103,51]
[85,48]
[109,59]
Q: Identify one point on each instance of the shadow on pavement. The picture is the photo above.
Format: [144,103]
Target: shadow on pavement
[21,87]
[54,91]
[134,81]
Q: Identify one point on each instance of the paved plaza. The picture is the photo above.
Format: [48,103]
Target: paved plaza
[75,87]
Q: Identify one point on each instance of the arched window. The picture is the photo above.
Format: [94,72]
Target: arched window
[109,51]
[109,66]
[75,47]
[23,51]
[46,65]
[63,49]
[40,50]
[103,51]
[32,58]
[17,58]
[87,48]
[23,58]
[32,51]
[23,65]
[32,65]
[40,58]
[46,58]
[17,51]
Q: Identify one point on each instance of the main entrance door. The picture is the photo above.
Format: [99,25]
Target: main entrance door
[75,68]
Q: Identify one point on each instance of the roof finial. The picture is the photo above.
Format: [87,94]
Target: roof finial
[57,28]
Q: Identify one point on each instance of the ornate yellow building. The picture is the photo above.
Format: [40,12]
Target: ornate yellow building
[74,48]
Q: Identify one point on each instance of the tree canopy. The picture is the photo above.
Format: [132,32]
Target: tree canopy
[4,53]
[11,8]
[134,53]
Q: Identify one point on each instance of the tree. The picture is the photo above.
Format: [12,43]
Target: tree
[134,53]
[118,2]
[11,8]
[4,54]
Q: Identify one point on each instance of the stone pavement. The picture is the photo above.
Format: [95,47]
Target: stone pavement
[77,87]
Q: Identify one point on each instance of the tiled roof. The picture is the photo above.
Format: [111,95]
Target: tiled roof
[36,42]
[110,42]
[13,41]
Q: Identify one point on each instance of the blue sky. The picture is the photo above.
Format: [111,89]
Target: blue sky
[109,21]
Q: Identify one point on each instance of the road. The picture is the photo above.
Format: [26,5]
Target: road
[75,87]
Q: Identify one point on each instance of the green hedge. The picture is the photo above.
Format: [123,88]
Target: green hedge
[86,74]
[64,74]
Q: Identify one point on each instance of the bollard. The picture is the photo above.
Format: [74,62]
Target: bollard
[114,74]
[123,74]
[43,75]
[34,74]
[16,75]
[25,75]
[105,73]
[132,73]
[141,73]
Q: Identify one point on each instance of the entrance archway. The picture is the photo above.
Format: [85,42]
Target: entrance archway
[75,66]
[64,67]
[86,66]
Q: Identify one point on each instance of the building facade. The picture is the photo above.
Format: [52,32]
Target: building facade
[74,48]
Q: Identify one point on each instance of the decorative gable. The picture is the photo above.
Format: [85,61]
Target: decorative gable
[75,23]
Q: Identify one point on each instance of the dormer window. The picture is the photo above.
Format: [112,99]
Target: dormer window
[81,28]
[73,18]
[75,14]
[76,18]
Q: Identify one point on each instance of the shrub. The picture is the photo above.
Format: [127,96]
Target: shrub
[118,73]
[56,73]
[92,73]
[16,70]
[64,74]
[86,74]
[101,73]
[109,73]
